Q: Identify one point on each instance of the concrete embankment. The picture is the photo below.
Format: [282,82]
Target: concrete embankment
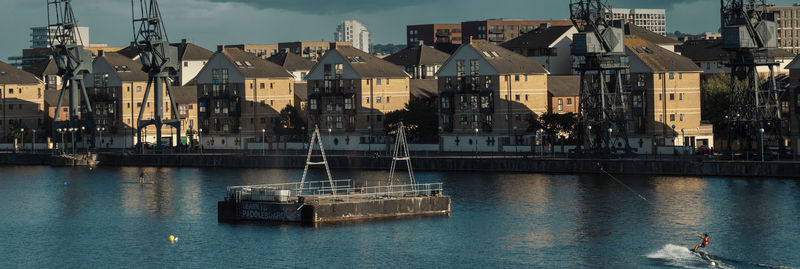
[677,167]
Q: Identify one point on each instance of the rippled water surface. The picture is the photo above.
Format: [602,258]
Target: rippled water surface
[76,218]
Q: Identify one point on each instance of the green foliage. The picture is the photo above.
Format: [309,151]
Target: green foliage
[715,92]
[419,118]
[534,124]
[289,122]
[554,123]
[13,131]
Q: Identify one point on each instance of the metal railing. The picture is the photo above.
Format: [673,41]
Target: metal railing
[342,190]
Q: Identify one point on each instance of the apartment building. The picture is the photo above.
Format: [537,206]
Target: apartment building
[116,88]
[311,50]
[487,92]
[665,97]
[501,30]
[296,65]
[186,100]
[654,20]
[712,58]
[421,62]
[354,32]
[239,94]
[788,22]
[192,59]
[349,93]
[22,101]
[445,37]
[563,93]
[262,51]
[547,45]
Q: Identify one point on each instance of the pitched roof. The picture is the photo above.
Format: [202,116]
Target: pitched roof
[506,61]
[418,56]
[51,97]
[291,61]
[192,52]
[301,90]
[126,68]
[43,68]
[564,85]
[369,66]
[251,66]
[184,94]
[537,39]
[650,36]
[711,50]
[13,75]
[657,58]
[424,88]
[129,51]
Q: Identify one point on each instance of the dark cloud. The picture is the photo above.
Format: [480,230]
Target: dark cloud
[326,7]
[665,4]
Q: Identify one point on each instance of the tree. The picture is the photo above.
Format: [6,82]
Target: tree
[289,122]
[714,99]
[533,123]
[419,118]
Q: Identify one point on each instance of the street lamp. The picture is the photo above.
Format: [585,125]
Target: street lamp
[100,131]
[683,137]
[762,143]
[369,140]
[33,141]
[673,135]
[199,139]
[22,130]
[240,137]
[263,135]
[330,139]
[476,142]
[441,139]
[83,139]
[305,135]
[610,132]
[541,139]
[516,141]
[63,144]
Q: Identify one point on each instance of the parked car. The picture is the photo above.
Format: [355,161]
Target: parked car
[703,150]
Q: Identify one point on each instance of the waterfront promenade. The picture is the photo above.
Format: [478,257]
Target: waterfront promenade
[695,165]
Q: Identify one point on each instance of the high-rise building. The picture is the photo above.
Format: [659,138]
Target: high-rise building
[445,37]
[40,36]
[788,20]
[501,30]
[654,20]
[354,32]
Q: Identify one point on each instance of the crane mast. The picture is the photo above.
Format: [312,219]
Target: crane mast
[748,33]
[73,64]
[160,61]
[602,125]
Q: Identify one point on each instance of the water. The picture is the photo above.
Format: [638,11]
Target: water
[71,217]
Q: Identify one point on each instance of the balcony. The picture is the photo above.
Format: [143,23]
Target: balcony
[497,30]
[497,37]
[443,33]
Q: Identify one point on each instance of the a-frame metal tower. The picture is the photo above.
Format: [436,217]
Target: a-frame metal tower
[602,64]
[73,63]
[316,139]
[748,32]
[160,61]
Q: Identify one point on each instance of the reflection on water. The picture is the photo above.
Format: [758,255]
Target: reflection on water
[105,218]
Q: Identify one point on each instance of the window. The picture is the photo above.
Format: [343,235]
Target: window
[680,75]
[270,85]
[680,96]
[138,88]
[185,64]
[671,117]
[671,96]
[681,117]
[516,97]
[387,97]
[671,75]
[312,103]
[11,91]
[367,99]
[387,83]
[569,101]
[260,86]
[378,82]
[516,78]
[526,97]
[378,99]
[659,97]
[348,103]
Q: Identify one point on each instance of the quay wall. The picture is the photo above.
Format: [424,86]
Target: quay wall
[676,167]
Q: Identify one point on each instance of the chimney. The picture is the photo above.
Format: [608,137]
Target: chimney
[220,48]
[100,53]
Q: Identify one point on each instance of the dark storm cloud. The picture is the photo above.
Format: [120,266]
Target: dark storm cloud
[326,6]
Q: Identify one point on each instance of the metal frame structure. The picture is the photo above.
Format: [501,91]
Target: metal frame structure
[73,64]
[749,31]
[401,154]
[602,66]
[316,138]
[160,61]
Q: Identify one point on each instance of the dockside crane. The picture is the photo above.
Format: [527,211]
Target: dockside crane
[160,61]
[602,126]
[748,33]
[73,64]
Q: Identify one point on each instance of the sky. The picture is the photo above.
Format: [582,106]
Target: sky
[212,22]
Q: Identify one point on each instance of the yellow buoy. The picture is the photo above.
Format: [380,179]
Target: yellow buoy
[172,239]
